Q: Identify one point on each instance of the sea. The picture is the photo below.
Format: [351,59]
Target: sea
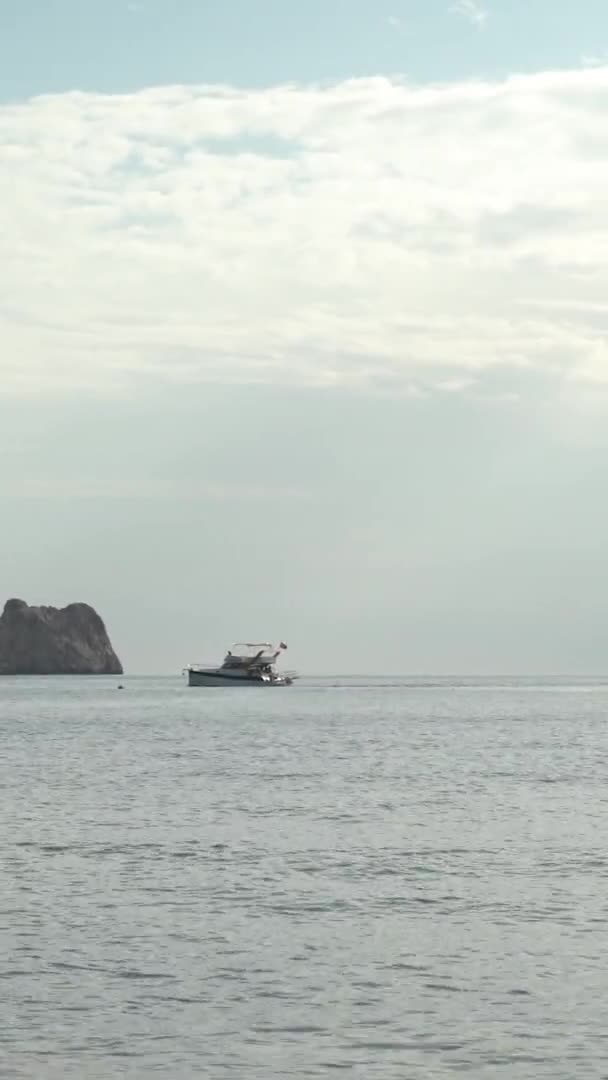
[380,879]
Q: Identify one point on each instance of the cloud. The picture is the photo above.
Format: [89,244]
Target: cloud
[471,10]
[595,60]
[371,234]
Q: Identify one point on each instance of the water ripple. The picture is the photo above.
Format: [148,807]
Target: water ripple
[383,880]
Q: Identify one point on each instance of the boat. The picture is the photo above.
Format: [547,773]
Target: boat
[246,664]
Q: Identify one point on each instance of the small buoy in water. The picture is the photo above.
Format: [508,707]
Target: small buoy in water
[121,687]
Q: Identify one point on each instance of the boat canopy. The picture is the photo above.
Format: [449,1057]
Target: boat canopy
[251,654]
[253,645]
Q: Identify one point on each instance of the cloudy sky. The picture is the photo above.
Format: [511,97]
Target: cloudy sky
[303,327]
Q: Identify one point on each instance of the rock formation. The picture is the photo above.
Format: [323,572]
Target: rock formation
[55,641]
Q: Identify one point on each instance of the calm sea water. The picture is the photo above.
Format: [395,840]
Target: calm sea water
[364,878]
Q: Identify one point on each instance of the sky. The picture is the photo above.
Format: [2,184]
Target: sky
[303,328]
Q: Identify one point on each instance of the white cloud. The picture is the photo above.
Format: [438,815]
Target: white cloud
[471,10]
[370,233]
[595,61]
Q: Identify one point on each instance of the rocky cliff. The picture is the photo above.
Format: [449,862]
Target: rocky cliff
[55,641]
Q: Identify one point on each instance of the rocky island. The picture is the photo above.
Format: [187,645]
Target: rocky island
[55,641]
